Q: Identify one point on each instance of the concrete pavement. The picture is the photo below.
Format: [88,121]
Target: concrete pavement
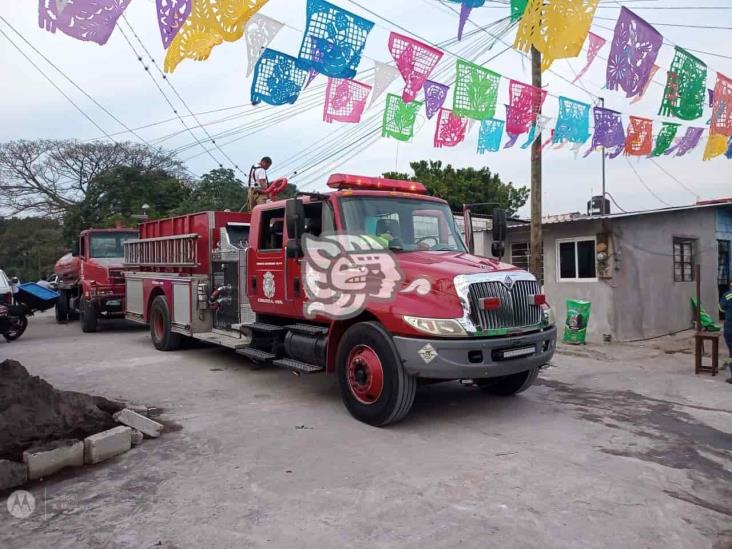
[618,446]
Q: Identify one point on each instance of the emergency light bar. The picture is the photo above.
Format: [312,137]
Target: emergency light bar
[358,182]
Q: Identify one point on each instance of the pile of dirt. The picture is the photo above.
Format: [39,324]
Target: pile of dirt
[32,412]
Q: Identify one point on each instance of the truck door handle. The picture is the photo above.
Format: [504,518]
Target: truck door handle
[254,284]
[296,286]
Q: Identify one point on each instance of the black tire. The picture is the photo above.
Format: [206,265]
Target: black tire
[160,326]
[19,326]
[88,316]
[398,388]
[62,307]
[508,385]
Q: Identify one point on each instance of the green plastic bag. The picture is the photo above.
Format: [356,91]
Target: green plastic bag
[706,321]
[578,317]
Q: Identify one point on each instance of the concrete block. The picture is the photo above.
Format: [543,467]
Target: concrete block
[140,409]
[136,437]
[12,474]
[45,460]
[141,423]
[107,444]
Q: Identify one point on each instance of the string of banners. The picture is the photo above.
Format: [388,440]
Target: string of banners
[333,44]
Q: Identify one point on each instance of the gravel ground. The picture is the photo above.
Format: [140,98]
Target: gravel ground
[616,446]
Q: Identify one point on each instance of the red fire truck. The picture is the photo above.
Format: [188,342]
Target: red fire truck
[284,287]
[90,280]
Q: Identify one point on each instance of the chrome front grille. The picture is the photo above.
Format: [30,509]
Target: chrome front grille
[515,310]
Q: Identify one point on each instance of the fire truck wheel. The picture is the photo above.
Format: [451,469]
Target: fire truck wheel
[62,307]
[509,385]
[88,316]
[374,386]
[160,328]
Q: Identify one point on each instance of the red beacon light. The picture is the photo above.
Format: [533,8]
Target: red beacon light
[342,181]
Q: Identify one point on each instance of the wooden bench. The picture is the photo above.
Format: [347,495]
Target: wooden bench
[699,339]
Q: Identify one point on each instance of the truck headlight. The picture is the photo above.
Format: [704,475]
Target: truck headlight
[443,327]
[547,317]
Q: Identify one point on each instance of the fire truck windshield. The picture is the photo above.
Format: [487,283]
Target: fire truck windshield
[109,245]
[403,224]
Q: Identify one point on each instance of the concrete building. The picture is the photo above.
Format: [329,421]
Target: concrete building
[636,268]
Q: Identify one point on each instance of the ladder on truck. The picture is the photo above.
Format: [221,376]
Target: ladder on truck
[164,251]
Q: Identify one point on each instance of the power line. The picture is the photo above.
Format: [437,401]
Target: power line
[685,26]
[180,98]
[167,100]
[645,185]
[673,177]
[50,80]
[72,82]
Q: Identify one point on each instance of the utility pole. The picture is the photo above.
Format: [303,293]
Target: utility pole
[604,192]
[535,247]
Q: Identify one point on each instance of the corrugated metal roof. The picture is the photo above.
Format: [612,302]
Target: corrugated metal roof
[577,216]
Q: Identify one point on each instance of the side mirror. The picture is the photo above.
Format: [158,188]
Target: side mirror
[499,225]
[498,249]
[293,249]
[295,218]
[14,280]
[75,248]
[468,226]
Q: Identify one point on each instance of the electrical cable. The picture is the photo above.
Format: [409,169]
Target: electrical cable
[674,178]
[645,185]
[614,202]
[362,145]
[73,83]
[167,99]
[180,98]
[685,26]
[50,80]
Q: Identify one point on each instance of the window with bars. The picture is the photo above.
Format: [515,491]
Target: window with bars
[684,252]
[724,258]
[520,252]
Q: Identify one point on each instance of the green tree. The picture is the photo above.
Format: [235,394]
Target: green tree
[30,246]
[50,177]
[119,194]
[219,189]
[465,186]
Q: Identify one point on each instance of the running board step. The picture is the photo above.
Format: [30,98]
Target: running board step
[255,354]
[297,366]
[263,328]
[307,329]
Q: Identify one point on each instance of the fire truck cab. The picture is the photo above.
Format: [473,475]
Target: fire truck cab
[371,282]
[90,278]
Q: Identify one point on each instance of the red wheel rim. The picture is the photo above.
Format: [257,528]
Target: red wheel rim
[365,374]
[158,325]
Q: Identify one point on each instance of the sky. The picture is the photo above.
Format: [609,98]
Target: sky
[31,108]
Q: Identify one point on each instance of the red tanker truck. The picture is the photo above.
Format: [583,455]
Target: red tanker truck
[90,278]
[371,282]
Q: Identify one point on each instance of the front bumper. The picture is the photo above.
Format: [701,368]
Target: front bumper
[474,358]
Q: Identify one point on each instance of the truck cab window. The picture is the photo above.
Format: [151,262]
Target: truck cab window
[314,218]
[238,235]
[328,218]
[109,244]
[404,225]
[272,229]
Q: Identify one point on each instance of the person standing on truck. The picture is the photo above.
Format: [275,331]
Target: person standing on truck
[258,182]
[725,305]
